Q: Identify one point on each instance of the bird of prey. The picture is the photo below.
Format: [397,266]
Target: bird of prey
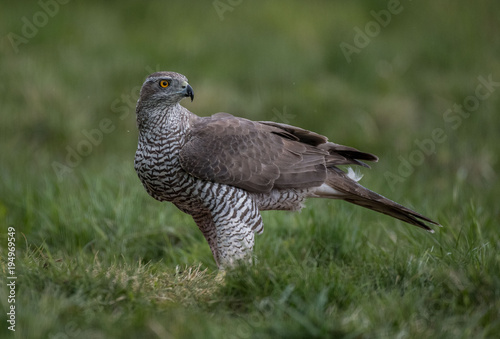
[223,170]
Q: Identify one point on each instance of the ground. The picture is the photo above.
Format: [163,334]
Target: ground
[414,82]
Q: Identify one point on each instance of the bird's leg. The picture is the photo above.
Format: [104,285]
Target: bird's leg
[207,227]
[235,241]
[231,243]
[230,240]
[228,219]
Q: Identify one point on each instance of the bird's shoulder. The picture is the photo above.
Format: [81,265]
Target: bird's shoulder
[221,124]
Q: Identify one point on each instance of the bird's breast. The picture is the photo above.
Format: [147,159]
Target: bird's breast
[157,165]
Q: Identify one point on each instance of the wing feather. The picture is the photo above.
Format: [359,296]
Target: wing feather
[260,156]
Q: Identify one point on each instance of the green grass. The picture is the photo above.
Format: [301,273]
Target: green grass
[96,257]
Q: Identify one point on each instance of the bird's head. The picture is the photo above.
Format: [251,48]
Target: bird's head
[163,89]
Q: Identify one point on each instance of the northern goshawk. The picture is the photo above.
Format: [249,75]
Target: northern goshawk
[223,170]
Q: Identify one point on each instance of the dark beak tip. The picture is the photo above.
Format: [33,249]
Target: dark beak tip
[189,92]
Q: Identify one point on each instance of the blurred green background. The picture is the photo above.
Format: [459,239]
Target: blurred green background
[270,61]
[70,75]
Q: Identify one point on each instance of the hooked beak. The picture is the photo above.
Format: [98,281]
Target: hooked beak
[188,90]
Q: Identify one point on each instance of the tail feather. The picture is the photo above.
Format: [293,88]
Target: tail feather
[354,193]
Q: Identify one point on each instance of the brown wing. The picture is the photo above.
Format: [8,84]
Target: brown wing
[338,154]
[260,156]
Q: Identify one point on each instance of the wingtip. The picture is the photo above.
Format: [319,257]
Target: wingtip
[434,222]
[363,164]
[430,230]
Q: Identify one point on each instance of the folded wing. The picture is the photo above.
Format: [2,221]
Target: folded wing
[260,156]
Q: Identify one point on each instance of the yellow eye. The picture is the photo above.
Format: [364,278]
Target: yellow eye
[164,83]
